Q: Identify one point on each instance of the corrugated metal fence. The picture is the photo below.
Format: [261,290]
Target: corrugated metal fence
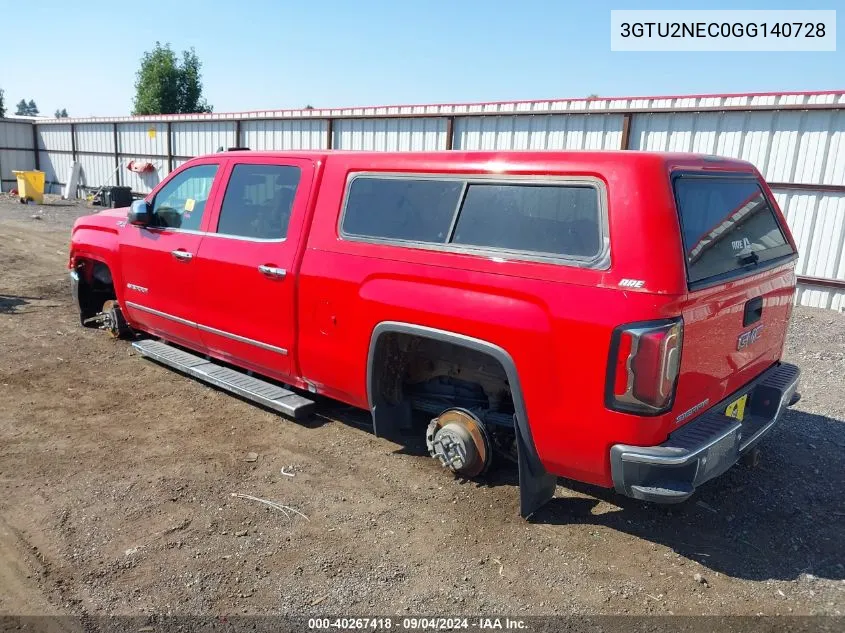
[797,141]
[17,140]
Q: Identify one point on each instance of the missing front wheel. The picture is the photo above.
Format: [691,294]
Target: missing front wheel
[110,319]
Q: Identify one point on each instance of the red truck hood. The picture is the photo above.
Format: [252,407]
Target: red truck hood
[107,218]
[98,231]
[112,213]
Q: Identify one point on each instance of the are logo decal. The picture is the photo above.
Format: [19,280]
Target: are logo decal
[741,245]
[747,338]
[632,283]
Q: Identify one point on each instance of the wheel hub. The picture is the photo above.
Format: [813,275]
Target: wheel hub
[110,319]
[459,441]
[112,323]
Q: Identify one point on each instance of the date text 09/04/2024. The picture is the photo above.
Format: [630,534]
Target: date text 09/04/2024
[418,624]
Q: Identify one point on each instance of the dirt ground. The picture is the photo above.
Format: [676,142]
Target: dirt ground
[116,482]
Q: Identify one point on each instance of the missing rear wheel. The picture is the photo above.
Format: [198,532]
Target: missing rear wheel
[458,439]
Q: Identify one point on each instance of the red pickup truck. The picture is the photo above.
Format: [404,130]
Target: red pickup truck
[616,318]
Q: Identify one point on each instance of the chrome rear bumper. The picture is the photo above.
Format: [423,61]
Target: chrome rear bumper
[707,446]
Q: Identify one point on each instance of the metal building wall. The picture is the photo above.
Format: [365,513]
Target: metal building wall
[194,139]
[147,142]
[55,153]
[95,147]
[55,137]
[143,182]
[390,134]
[801,153]
[817,221]
[55,167]
[806,147]
[797,141]
[16,151]
[278,134]
[549,132]
[143,139]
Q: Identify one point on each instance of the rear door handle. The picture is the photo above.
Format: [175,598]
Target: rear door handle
[272,271]
[182,255]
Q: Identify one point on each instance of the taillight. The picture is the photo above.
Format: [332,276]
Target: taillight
[642,370]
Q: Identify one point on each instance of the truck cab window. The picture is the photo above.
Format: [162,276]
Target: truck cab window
[258,201]
[181,202]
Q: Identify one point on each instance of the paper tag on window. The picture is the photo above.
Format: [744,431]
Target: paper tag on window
[189,204]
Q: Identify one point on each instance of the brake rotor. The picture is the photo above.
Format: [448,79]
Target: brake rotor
[111,323]
[458,439]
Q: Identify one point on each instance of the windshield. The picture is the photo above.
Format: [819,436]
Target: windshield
[729,228]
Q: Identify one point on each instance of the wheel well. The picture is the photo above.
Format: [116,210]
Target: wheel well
[396,346]
[413,373]
[96,286]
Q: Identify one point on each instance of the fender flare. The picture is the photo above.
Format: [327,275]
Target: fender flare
[79,286]
[536,485]
[107,257]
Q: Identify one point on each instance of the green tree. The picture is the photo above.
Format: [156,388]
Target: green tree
[26,109]
[191,84]
[2,104]
[165,86]
[61,114]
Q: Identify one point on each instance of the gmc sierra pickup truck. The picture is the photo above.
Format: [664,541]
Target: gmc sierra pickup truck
[616,318]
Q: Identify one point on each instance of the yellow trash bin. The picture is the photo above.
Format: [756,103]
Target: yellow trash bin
[30,186]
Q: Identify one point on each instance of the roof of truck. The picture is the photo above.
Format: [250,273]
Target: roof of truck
[571,157]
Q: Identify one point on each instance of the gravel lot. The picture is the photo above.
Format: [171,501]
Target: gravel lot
[116,478]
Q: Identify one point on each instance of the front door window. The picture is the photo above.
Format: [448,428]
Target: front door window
[181,202]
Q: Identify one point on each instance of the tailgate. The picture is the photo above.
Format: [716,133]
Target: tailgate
[741,279]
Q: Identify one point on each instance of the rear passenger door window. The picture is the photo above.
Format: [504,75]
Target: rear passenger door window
[258,201]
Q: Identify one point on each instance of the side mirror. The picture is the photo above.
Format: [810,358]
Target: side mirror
[140,213]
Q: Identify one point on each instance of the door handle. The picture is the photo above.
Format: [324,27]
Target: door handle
[182,255]
[272,271]
[753,311]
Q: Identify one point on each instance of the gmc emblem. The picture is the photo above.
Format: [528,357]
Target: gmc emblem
[747,338]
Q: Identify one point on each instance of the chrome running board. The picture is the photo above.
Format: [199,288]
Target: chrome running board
[260,391]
